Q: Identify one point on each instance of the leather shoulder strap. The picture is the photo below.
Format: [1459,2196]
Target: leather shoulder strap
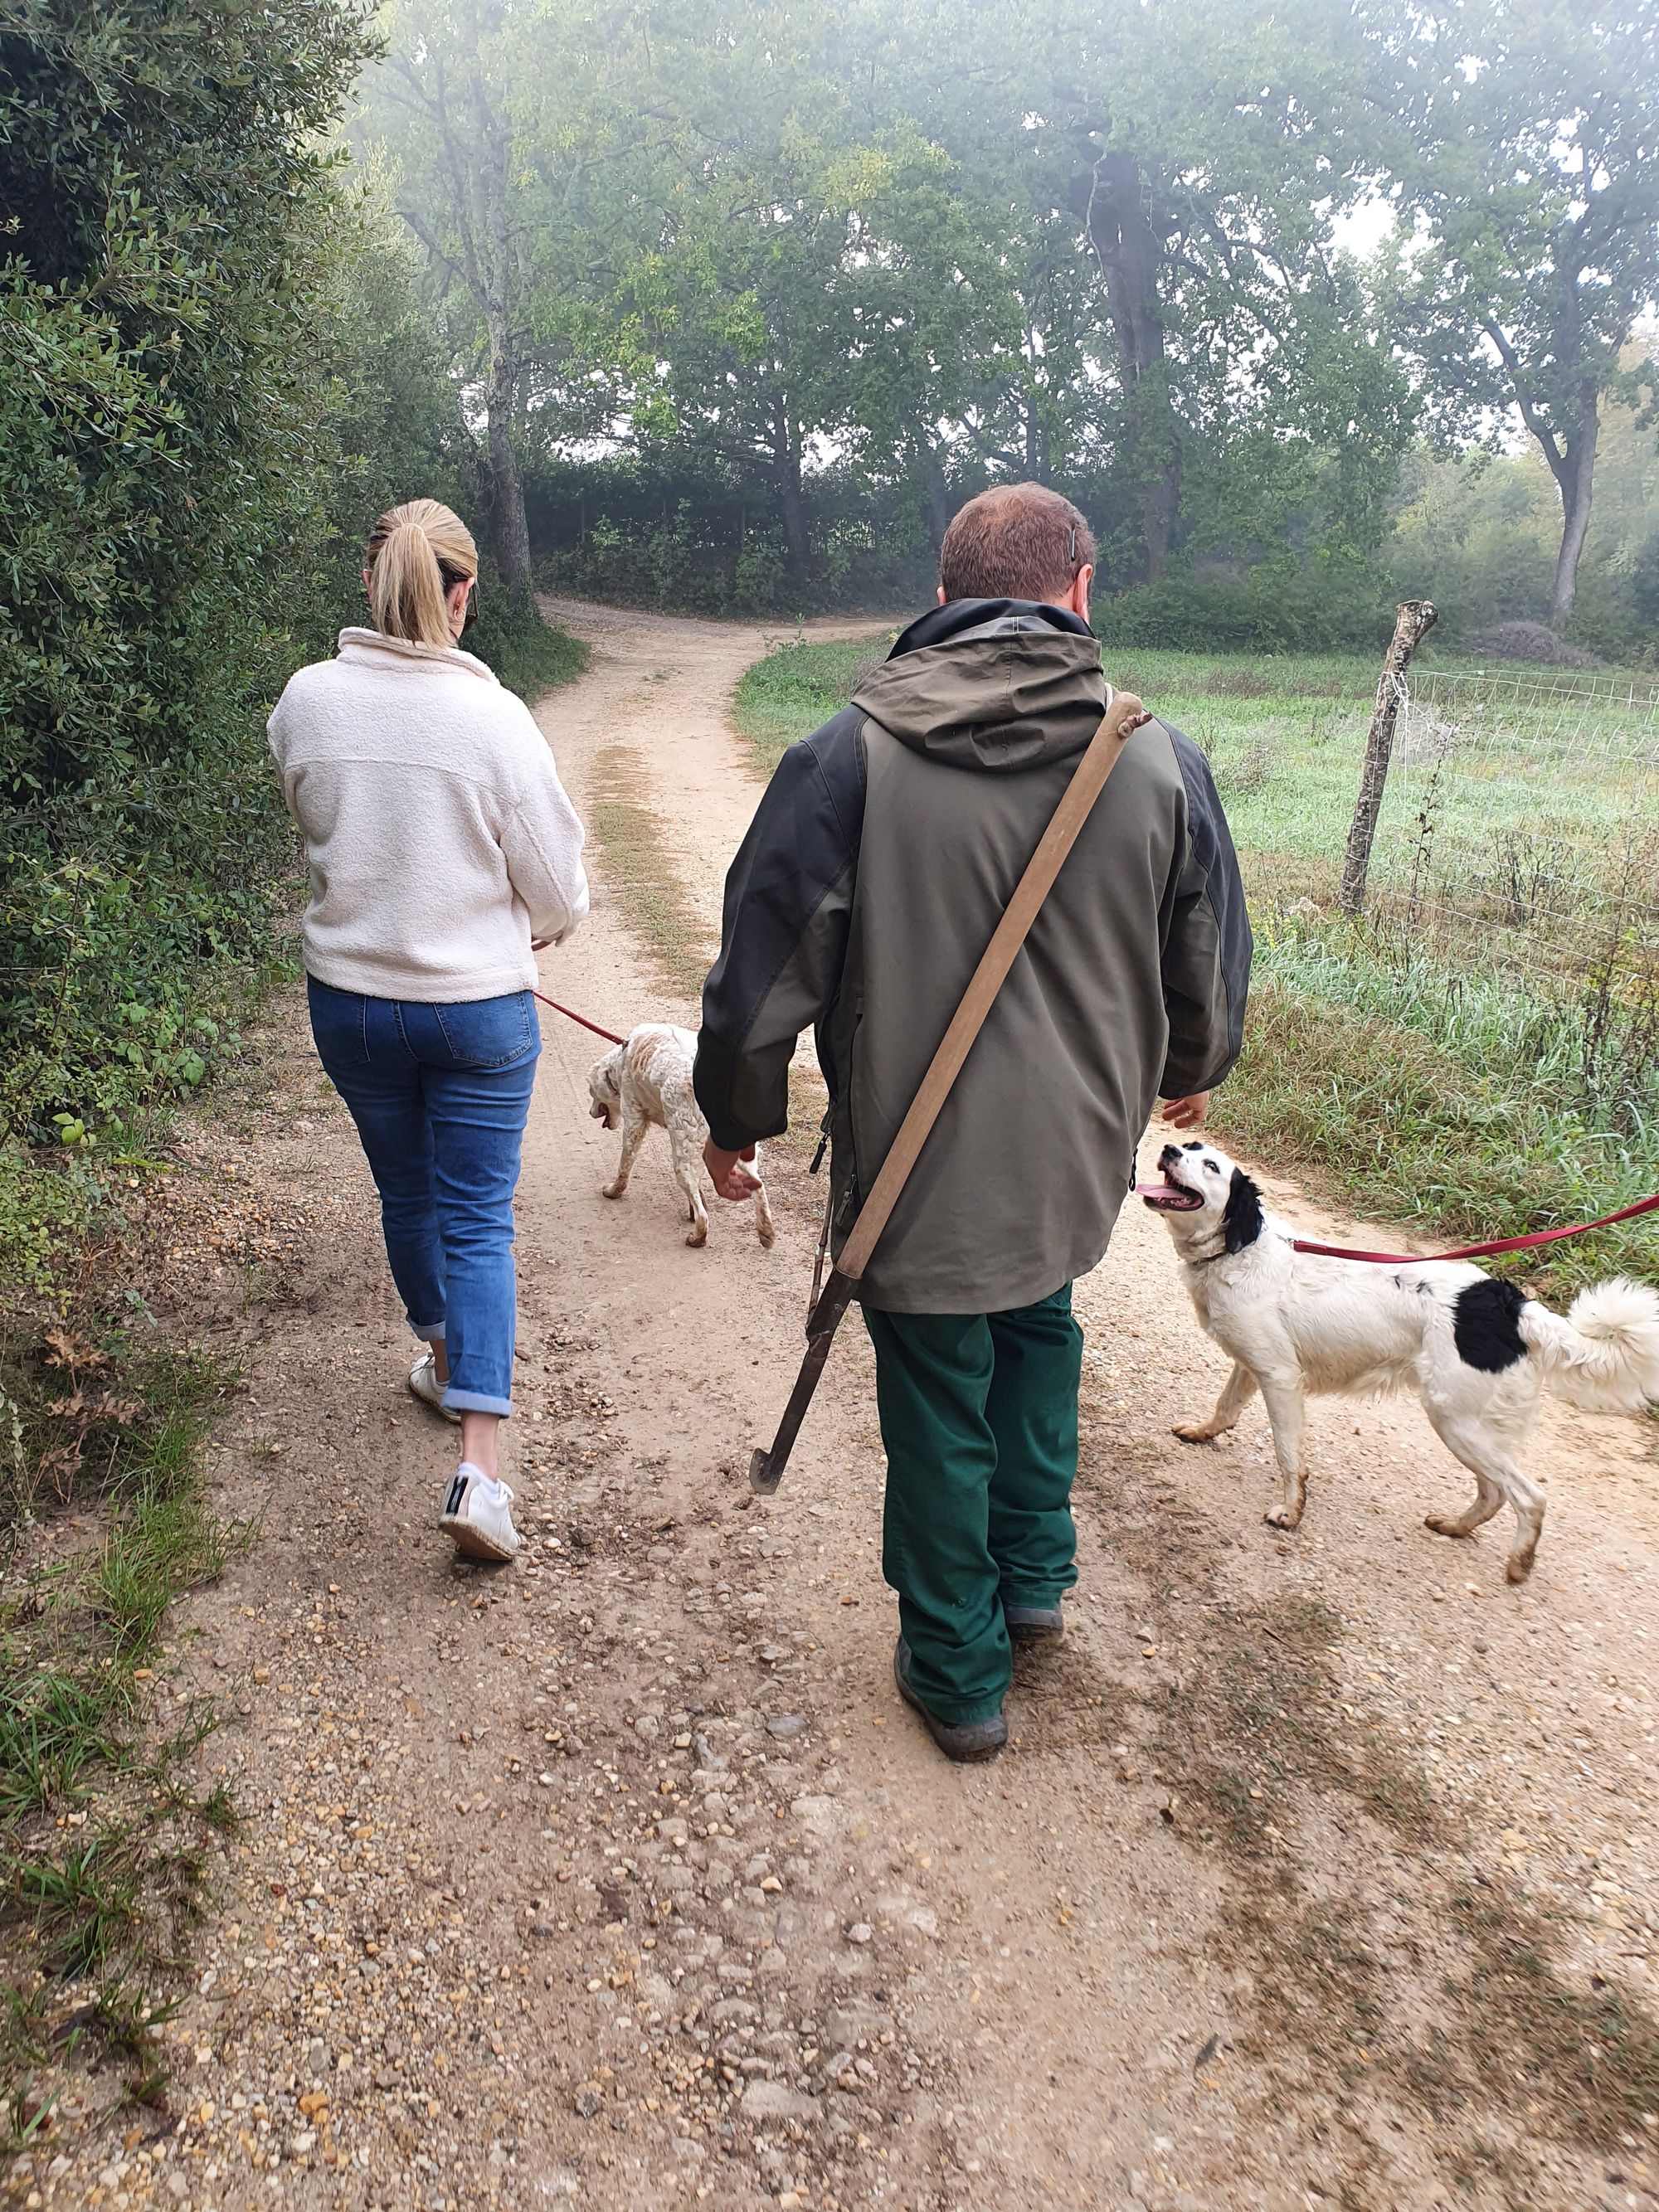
[1123,713]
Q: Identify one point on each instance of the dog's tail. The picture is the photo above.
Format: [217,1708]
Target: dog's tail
[1603,1355]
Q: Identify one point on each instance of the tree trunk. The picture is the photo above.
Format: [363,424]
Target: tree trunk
[1413,621]
[1116,205]
[509,531]
[936,497]
[792,505]
[1576,477]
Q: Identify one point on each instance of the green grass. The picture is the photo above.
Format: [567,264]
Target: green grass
[103,1837]
[529,655]
[795,687]
[1433,1079]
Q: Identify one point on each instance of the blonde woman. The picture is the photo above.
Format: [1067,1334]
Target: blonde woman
[443,854]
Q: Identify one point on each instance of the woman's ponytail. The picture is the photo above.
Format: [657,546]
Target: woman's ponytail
[417,554]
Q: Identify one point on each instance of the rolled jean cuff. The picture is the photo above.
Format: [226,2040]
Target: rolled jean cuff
[429,1332]
[474,1402]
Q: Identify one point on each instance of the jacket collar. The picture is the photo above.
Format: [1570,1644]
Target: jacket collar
[957,616]
[371,649]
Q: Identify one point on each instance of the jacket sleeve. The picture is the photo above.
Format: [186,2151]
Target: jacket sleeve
[542,844]
[783,935]
[1206,940]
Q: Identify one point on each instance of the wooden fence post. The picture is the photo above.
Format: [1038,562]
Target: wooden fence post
[1413,620]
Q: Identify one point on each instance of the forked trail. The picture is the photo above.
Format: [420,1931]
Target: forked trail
[1322,1870]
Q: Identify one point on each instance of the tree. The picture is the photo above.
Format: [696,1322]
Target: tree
[1198,156]
[1530,157]
[520,147]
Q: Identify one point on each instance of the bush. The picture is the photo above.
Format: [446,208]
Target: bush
[197,424]
[164,430]
[1305,611]
[1533,642]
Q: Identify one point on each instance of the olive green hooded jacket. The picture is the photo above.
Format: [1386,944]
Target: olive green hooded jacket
[877,867]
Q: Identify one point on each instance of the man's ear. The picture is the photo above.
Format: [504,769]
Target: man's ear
[942,600]
[1241,1224]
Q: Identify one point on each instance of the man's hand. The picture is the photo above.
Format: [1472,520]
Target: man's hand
[727,1173]
[1189,1113]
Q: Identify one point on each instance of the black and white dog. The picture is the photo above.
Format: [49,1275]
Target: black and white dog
[1479,1354]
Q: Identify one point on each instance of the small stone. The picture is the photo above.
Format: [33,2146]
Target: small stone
[785,1725]
[776,2101]
[587,2103]
[859,1931]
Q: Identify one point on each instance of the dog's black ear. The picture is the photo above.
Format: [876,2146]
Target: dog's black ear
[1241,1224]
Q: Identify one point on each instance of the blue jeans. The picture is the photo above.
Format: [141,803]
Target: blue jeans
[440,1095]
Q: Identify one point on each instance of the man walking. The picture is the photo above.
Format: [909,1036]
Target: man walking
[877,865]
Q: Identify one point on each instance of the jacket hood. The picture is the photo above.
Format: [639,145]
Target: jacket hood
[374,649]
[997,684]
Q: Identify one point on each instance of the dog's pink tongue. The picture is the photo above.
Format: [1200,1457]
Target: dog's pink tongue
[1151,1190]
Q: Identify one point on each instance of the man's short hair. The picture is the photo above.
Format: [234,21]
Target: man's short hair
[1018,541]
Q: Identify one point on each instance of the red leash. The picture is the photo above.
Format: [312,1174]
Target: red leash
[1304,1243]
[582,1022]
[1477,1251]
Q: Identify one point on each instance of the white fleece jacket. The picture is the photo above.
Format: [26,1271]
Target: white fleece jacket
[439,836]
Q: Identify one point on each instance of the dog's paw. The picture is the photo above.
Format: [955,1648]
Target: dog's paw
[612,1189]
[1282,1517]
[767,1233]
[1193,1432]
[697,1235]
[1518,1565]
[1444,1524]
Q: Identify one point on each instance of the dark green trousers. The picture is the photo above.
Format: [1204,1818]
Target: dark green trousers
[979,1422]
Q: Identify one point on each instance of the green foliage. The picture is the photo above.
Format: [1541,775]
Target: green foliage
[1417,1126]
[162,420]
[827,270]
[213,374]
[799,686]
[1274,610]
[528,654]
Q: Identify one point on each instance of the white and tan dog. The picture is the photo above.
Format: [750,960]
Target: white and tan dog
[644,1084]
[1479,1353]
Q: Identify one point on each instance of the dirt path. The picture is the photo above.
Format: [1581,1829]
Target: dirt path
[1321,1868]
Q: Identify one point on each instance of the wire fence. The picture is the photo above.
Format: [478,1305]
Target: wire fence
[1519,840]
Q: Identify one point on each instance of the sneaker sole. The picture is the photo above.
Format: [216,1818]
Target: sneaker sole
[472,1543]
[1027,1632]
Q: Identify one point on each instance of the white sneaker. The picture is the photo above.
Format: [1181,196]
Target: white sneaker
[423,1381]
[481,1524]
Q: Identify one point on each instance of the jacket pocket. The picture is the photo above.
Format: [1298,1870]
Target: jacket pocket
[489,1032]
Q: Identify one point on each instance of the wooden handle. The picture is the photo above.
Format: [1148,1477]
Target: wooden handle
[1089,780]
